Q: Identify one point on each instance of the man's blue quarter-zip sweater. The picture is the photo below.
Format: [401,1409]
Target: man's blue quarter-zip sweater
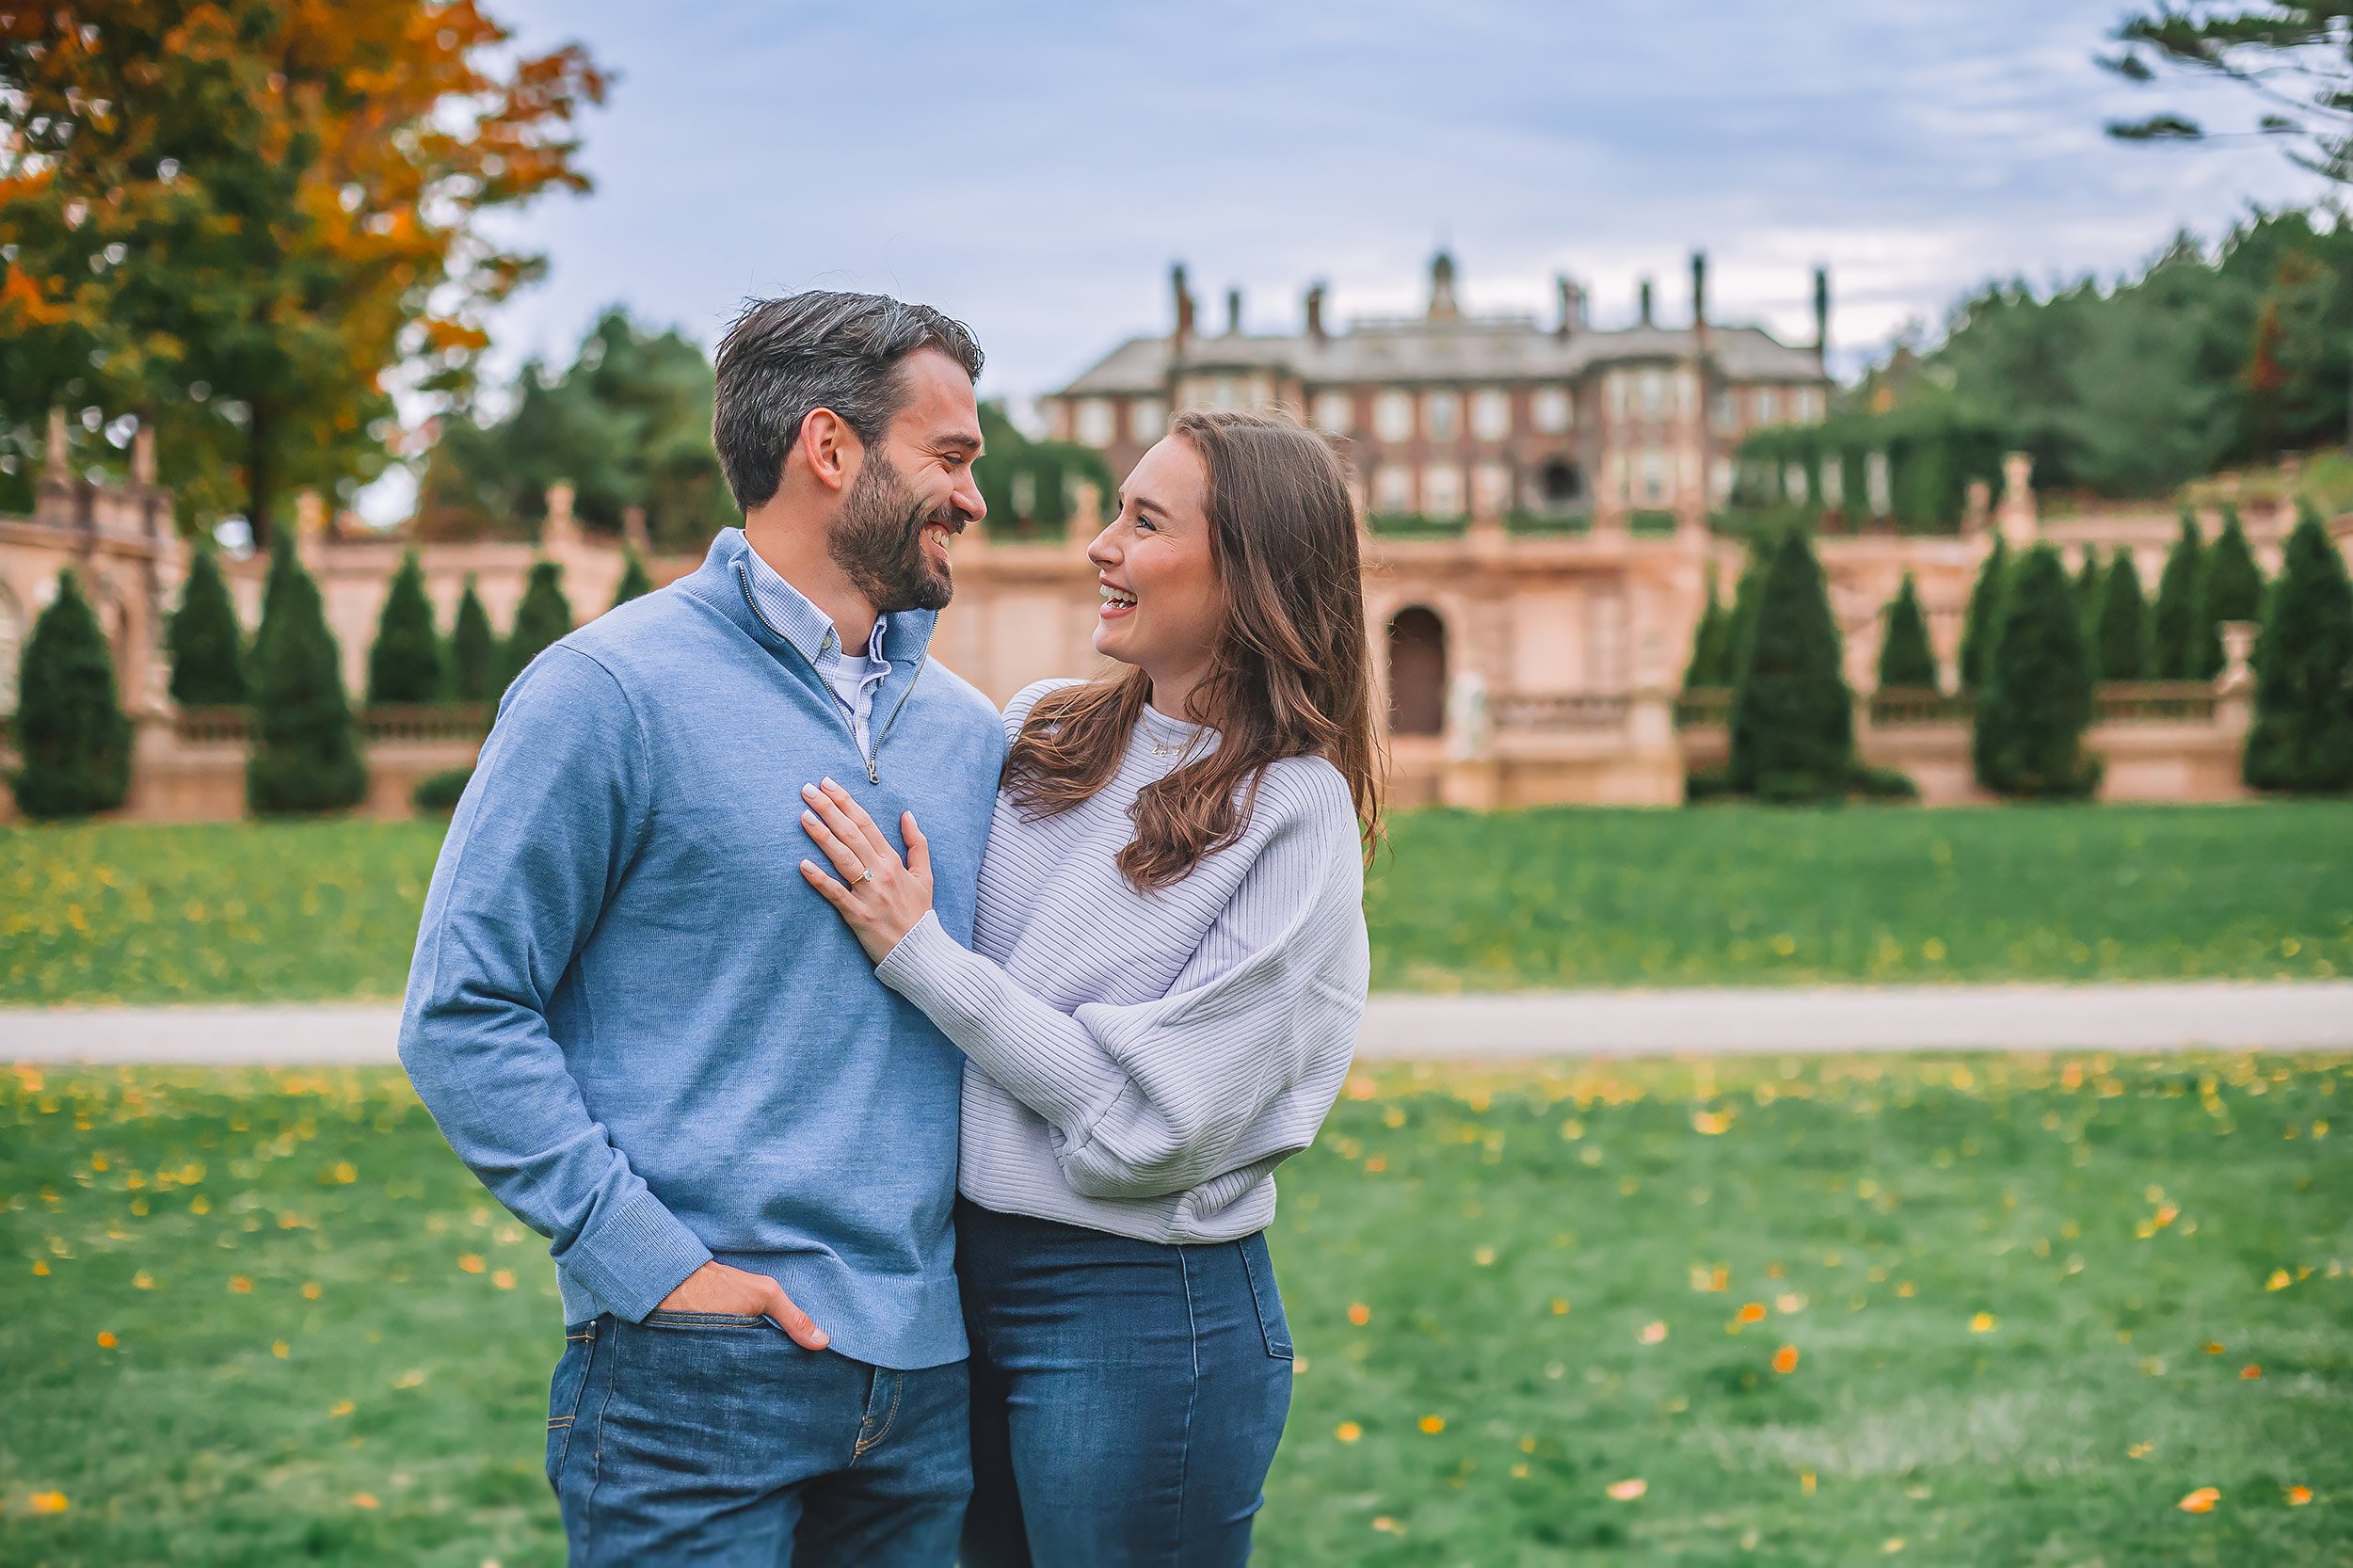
[631,1018]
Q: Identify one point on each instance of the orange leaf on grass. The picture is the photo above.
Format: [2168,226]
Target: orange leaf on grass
[1786,1359]
[1626,1491]
[2201,1501]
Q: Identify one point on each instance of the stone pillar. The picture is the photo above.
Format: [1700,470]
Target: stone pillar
[1976,508]
[558,531]
[1086,516]
[53,494]
[1473,775]
[2234,688]
[634,530]
[2019,524]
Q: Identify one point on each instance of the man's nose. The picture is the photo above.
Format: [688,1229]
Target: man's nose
[966,497]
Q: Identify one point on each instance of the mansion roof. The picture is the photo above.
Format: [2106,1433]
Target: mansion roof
[1501,348]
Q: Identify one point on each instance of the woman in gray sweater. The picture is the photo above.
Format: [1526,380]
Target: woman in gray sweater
[1167,971]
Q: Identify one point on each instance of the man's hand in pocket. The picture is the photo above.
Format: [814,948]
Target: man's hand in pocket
[717,1288]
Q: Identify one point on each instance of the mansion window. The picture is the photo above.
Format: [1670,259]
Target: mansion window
[1491,414]
[1654,476]
[1147,419]
[1551,409]
[1094,423]
[1805,406]
[1723,412]
[1442,415]
[1393,415]
[1687,393]
[1442,490]
[1613,393]
[1490,488]
[1654,393]
[1393,489]
[1720,481]
[1768,407]
[1334,411]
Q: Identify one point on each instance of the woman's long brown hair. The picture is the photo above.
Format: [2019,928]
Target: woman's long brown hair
[1291,676]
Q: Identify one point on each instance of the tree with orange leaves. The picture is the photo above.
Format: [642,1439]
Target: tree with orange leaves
[244,221]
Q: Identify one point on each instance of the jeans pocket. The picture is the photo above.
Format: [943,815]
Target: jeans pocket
[661,1318]
[565,1390]
[1260,1269]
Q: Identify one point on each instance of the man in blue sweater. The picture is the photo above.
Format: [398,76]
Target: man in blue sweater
[654,1043]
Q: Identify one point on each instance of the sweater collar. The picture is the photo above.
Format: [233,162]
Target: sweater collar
[724,582]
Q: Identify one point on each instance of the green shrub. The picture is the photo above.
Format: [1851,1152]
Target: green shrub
[440,792]
[1741,623]
[2120,647]
[1982,622]
[2036,701]
[2089,579]
[1702,785]
[305,752]
[635,581]
[473,651]
[2234,583]
[405,664]
[1906,658]
[543,618]
[204,642]
[71,735]
[2182,642]
[1792,715]
[2302,738]
[1709,664]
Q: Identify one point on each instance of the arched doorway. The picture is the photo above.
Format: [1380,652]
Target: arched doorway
[1416,672]
[1560,484]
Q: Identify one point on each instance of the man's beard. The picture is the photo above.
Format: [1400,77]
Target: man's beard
[877,541]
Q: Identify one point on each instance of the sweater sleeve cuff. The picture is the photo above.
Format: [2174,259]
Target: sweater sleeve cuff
[1046,1062]
[636,1256]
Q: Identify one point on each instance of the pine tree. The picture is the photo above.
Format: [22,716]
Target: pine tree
[1907,661]
[473,651]
[306,754]
[2036,702]
[204,642]
[636,583]
[70,731]
[1706,668]
[1982,624]
[285,565]
[1740,620]
[1792,716]
[543,616]
[2302,738]
[2121,646]
[2181,630]
[406,663]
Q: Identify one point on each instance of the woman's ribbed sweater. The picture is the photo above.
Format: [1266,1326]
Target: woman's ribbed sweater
[1139,1063]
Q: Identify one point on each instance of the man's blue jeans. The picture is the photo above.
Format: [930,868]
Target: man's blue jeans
[711,1439]
[1126,1397]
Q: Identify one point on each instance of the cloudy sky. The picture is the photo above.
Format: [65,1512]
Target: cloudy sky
[1034,168]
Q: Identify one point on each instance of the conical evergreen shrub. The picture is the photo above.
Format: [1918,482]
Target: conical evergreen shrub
[2234,583]
[2183,645]
[72,736]
[2121,646]
[542,617]
[635,581]
[306,753]
[473,651]
[1980,625]
[1740,620]
[2036,701]
[1706,668]
[405,664]
[2090,581]
[2302,738]
[1792,715]
[1907,661]
[204,642]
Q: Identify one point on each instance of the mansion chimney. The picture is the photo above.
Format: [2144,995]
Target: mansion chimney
[1314,312]
[1699,290]
[1184,305]
[1821,317]
[1572,304]
[1645,302]
[1442,304]
[1233,313]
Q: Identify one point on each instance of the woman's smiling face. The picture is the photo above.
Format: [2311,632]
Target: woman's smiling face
[1163,608]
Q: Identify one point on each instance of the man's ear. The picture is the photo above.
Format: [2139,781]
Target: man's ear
[830,448]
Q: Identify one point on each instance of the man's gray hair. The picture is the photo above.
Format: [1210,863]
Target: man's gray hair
[784,358]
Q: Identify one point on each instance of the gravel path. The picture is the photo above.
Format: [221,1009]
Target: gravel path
[2311,1014]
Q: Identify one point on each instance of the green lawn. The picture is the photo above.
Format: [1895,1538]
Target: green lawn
[1723,895]
[265,1318]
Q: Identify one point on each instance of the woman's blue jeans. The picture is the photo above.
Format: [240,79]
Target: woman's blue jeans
[1126,1397]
